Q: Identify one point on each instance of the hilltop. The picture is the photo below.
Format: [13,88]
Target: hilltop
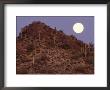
[41,49]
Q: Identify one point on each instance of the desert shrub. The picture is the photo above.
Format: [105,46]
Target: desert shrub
[21,70]
[72,36]
[51,44]
[18,37]
[17,54]
[41,59]
[65,46]
[90,60]
[76,55]
[81,68]
[61,31]
[31,70]
[30,48]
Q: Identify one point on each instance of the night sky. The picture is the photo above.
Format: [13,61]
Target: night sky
[64,23]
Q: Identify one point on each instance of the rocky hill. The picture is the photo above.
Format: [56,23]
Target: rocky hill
[41,49]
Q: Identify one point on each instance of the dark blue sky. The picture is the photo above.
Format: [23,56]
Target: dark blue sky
[64,23]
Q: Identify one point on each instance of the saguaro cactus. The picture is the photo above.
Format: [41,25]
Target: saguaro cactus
[38,44]
[39,35]
[55,28]
[81,48]
[54,38]
[89,48]
[34,53]
[33,59]
[21,36]
[84,49]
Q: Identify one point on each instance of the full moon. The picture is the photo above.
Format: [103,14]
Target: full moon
[78,27]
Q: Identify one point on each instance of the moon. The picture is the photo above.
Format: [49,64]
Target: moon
[78,27]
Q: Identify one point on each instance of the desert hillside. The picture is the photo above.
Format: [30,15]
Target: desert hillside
[41,49]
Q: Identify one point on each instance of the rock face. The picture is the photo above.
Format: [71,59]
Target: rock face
[41,49]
